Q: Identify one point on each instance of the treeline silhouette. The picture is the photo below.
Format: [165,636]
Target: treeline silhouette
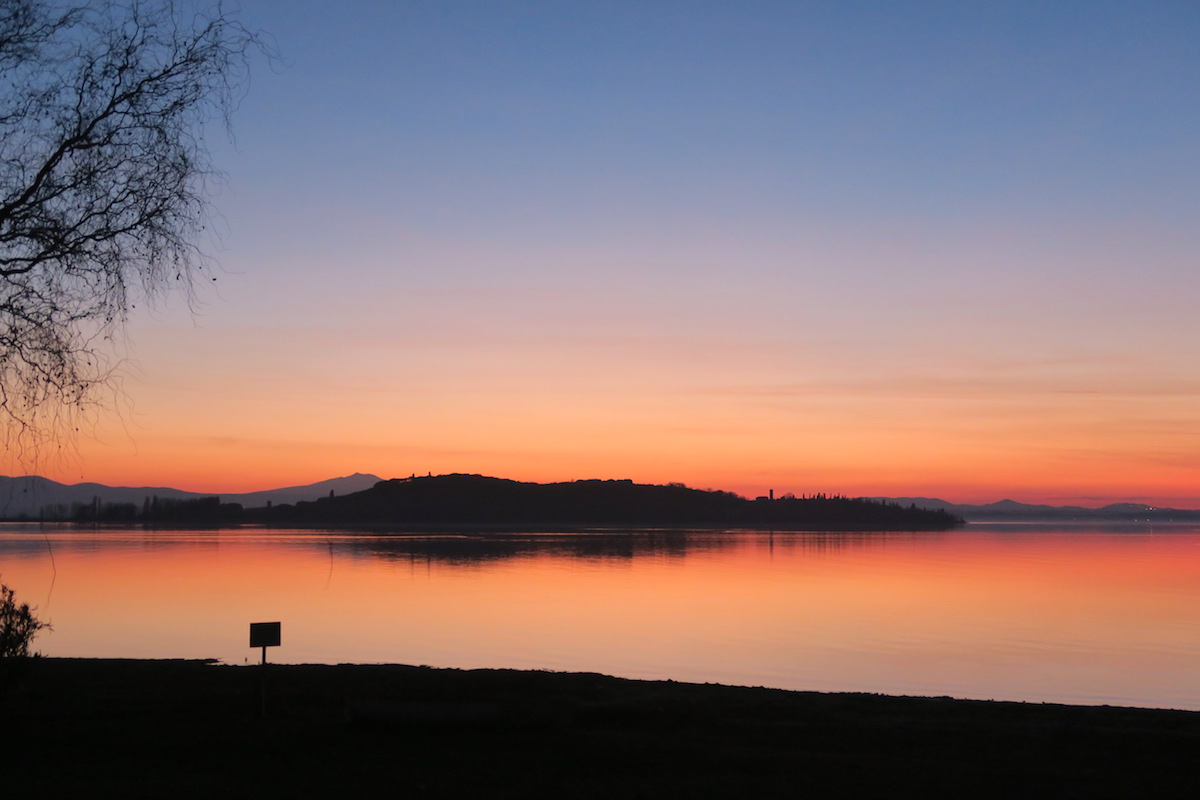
[153,510]
[475,500]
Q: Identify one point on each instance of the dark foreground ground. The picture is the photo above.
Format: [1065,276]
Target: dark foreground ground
[86,728]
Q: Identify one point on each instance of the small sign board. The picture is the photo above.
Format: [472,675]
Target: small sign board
[265,634]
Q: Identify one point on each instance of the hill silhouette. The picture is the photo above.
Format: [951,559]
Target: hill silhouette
[477,500]
[32,497]
[1013,511]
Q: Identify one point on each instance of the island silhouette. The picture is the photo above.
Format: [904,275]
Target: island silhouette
[481,501]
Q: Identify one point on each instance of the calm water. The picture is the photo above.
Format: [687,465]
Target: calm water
[1079,615]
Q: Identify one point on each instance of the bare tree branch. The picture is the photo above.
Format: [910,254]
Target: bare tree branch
[103,175]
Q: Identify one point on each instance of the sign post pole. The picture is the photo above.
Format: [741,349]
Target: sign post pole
[264,635]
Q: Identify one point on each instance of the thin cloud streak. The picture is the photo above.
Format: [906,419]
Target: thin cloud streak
[980,389]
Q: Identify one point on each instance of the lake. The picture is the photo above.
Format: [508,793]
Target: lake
[1081,614]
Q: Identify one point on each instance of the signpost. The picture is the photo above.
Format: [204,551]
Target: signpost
[264,635]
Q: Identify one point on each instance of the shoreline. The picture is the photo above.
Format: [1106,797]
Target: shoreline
[194,728]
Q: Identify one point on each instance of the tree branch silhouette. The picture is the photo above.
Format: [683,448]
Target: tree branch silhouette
[104,181]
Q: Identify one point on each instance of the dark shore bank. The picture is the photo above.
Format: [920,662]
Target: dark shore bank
[89,728]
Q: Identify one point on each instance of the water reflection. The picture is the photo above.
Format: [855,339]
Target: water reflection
[1007,612]
[480,549]
[460,549]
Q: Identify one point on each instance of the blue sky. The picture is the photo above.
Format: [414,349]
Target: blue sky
[910,233]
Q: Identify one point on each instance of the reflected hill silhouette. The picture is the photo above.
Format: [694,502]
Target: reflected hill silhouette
[481,549]
[485,548]
[476,500]
[478,548]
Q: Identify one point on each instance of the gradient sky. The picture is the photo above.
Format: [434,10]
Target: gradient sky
[899,248]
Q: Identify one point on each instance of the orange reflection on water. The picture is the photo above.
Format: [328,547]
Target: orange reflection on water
[1020,613]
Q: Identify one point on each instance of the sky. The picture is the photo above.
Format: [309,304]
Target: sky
[871,248]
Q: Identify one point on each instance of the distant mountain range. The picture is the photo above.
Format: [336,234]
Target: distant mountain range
[26,497]
[1012,511]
